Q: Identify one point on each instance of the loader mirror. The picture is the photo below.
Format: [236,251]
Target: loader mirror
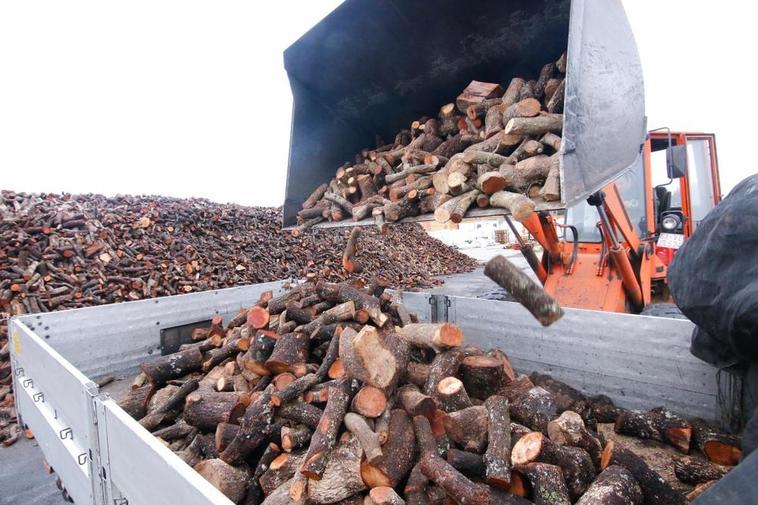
[676,161]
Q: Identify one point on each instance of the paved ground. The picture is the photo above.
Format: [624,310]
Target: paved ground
[23,479]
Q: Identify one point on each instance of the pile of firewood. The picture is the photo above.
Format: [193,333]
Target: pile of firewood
[62,251]
[491,148]
[335,393]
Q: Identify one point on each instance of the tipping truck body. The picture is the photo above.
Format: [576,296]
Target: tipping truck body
[371,67]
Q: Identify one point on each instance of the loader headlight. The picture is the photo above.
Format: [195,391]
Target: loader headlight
[671,222]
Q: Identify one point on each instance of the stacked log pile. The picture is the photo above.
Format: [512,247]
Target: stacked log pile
[335,393]
[62,251]
[495,146]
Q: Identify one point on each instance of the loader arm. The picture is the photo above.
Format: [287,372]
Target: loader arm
[613,275]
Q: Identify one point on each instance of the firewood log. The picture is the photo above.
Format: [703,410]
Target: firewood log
[341,293]
[548,486]
[475,92]
[508,374]
[483,376]
[569,429]
[172,366]
[552,141]
[535,126]
[542,306]
[205,409]
[497,458]
[520,207]
[499,143]
[415,487]
[700,489]
[526,107]
[369,402]
[281,469]
[436,336]
[136,400]
[490,183]
[603,409]
[565,396]
[295,437]
[526,149]
[368,439]
[451,395]
[300,412]
[520,176]
[444,364]
[448,120]
[231,481]
[551,190]
[455,484]
[719,448]
[455,144]
[575,463]
[325,436]
[417,373]
[385,496]
[547,71]
[289,355]
[493,121]
[469,464]
[615,485]
[348,256]
[415,402]
[534,409]
[374,358]
[528,90]
[655,489]
[281,495]
[256,425]
[555,105]
[550,88]
[697,471]
[398,454]
[468,428]
[512,92]
[339,313]
[657,424]
[341,477]
[484,158]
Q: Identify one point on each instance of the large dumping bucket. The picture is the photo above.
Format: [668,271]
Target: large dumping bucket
[373,66]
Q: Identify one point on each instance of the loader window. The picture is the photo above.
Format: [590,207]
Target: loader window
[700,179]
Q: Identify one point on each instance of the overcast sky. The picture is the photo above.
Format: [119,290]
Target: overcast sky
[190,98]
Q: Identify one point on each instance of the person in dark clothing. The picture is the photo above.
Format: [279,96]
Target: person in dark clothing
[714,281]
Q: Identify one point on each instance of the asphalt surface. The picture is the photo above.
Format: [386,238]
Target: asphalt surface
[23,479]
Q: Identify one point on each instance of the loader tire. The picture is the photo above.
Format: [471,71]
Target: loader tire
[663,310]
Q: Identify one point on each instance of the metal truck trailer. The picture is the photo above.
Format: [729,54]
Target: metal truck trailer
[103,456]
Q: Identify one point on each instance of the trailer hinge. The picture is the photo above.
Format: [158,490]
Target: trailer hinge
[440,308]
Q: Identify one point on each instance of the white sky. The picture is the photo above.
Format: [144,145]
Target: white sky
[190,98]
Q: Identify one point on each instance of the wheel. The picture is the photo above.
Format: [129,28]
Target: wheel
[663,310]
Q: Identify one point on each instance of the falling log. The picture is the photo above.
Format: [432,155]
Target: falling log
[325,436]
[548,486]
[534,409]
[657,424]
[368,439]
[342,475]
[398,454]
[719,448]
[384,495]
[348,257]
[451,395]
[136,400]
[569,429]
[231,481]
[483,376]
[376,359]
[614,486]
[490,183]
[204,409]
[535,126]
[444,364]
[172,366]
[542,306]
[455,484]
[697,471]
[369,402]
[468,428]
[436,336]
[520,207]
[497,458]
[654,488]
[575,463]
